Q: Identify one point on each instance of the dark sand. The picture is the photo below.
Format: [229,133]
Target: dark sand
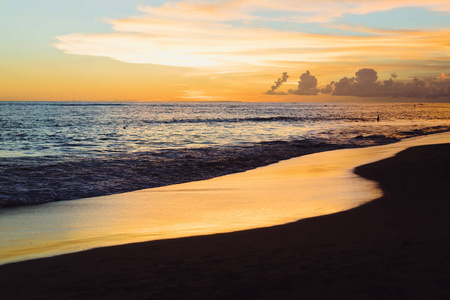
[396,247]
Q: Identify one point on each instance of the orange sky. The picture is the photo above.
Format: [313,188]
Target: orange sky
[212,50]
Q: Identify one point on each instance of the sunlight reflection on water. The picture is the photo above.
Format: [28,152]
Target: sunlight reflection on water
[302,187]
[99,129]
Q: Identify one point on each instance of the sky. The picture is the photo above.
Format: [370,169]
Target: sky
[232,50]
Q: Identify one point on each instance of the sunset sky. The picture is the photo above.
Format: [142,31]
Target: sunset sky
[212,50]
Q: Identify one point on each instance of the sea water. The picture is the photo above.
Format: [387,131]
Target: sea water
[53,151]
[69,129]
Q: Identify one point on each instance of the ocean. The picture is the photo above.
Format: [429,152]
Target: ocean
[52,151]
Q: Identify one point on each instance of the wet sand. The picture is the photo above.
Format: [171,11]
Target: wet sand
[396,247]
[291,190]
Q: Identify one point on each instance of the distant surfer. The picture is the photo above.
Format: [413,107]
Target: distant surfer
[378,118]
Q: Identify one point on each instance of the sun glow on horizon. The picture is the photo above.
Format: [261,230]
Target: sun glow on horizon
[233,49]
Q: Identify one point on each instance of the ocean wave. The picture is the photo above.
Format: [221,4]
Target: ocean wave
[35,180]
[256,119]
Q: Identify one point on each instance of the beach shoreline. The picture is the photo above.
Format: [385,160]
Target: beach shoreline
[72,157]
[395,247]
[291,190]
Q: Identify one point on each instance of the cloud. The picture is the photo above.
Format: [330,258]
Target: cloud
[366,84]
[328,89]
[277,84]
[201,10]
[418,88]
[307,85]
[226,35]
[324,11]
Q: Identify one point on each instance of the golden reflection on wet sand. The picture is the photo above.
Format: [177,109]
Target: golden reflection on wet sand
[290,190]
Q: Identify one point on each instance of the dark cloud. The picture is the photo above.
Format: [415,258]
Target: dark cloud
[344,86]
[366,77]
[277,84]
[307,85]
[328,89]
[366,84]
[422,89]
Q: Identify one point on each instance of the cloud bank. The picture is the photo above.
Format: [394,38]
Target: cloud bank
[366,84]
[244,34]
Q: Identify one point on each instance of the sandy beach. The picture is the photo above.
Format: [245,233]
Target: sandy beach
[223,149]
[395,247]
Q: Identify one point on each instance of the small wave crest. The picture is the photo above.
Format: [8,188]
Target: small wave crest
[34,180]
[252,119]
